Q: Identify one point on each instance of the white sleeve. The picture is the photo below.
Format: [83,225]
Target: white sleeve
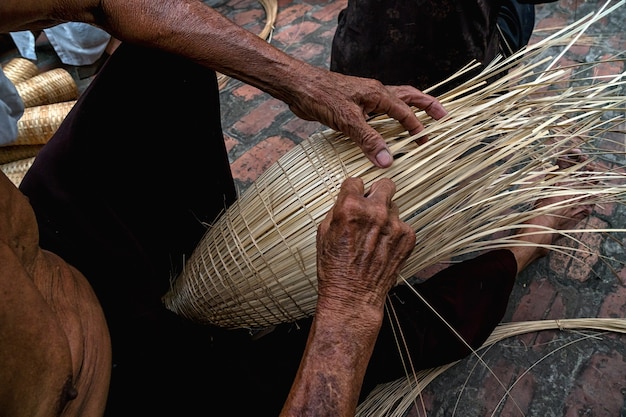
[25,43]
[11,109]
[77,43]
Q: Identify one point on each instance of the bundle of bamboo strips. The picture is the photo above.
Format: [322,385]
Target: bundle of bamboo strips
[478,176]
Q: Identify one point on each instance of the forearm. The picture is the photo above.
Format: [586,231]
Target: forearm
[195,31]
[333,365]
[192,29]
[188,27]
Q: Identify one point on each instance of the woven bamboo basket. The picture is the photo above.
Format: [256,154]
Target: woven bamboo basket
[16,170]
[39,123]
[49,87]
[477,177]
[20,69]
[12,153]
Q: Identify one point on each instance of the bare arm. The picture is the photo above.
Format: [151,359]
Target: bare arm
[361,246]
[194,30]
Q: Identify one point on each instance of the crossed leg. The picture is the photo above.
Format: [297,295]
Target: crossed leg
[537,232]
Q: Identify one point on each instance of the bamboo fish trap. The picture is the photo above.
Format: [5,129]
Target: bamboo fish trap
[477,177]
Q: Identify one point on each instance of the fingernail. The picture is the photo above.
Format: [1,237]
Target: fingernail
[384,158]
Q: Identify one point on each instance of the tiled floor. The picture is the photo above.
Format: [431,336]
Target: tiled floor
[560,373]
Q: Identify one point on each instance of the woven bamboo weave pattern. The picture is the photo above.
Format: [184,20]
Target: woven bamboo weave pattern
[479,174]
[20,69]
[39,123]
[49,87]
[16,170]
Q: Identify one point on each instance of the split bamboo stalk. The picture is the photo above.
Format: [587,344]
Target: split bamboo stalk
[49,87]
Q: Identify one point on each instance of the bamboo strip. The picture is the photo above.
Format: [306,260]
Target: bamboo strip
[394,399]
[15,153]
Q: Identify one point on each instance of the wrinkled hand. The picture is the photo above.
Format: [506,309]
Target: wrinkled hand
[361,246]
[343,103]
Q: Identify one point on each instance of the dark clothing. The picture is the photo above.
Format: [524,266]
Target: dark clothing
[123,192]
[422,42]
[516,22]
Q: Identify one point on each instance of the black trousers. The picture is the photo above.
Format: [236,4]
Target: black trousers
[122,192]
[423,42]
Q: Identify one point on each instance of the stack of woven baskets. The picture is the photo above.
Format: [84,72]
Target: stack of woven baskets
[48,97]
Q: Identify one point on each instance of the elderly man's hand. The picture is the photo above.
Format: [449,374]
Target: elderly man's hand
[361,246]
[343,103]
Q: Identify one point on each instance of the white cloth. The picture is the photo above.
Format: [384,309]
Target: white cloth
[11,109]
[75,43]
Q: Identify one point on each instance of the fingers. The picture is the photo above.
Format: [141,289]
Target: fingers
[343,102]
[414,97]
[361,245]
[571,158]
[382,191]
[371,143]
[352,185]
[423,101]
[396,105]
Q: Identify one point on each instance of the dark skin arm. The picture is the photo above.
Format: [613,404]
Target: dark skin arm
[194,30]
[361,244]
